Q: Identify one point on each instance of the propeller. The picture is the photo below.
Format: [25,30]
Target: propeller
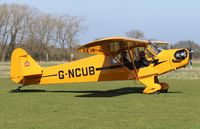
[191,51]
[171,46]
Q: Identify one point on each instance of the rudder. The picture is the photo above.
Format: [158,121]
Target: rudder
[23,66]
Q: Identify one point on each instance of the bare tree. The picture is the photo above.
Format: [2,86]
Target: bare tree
[43,29]
[61,31]
[4,30]
[134,34]
[20,24]
[13,27]
[74,29]
[67,30]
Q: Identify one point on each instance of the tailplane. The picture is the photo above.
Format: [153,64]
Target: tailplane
[23,66]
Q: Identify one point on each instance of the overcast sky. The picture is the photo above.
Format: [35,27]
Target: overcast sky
[169,20]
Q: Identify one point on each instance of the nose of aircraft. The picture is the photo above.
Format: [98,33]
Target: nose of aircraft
[181,58]
[181,54]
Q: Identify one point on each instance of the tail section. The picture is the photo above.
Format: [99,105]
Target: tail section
[23,66]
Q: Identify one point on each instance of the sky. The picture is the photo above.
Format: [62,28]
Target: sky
[168,20]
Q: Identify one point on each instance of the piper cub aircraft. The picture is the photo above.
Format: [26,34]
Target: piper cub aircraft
[116,58]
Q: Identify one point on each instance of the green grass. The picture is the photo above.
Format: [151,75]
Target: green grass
[105,105]
[196,65]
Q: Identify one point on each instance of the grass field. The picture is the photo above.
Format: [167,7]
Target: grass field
[105,105]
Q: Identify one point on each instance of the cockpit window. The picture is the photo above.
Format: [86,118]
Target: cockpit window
[155,48]
[149,54]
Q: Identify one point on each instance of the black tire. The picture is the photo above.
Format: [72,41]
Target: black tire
[164,91]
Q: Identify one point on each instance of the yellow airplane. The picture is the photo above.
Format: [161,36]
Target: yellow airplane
[116,58]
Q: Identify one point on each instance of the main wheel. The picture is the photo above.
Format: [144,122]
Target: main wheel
[164,87]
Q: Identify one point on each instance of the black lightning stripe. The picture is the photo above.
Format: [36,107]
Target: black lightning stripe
[155,62]
[109,67]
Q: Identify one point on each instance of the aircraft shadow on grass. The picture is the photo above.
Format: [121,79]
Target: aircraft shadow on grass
[93,93]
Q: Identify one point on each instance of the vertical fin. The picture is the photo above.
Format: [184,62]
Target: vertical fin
[23,65]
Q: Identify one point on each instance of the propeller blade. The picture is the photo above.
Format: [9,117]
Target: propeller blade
[190,56]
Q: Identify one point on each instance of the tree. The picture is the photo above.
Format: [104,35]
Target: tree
[20,24]
[189,44]
[43,29]
[14,20]
[4,30]
[68,29]
[134,34]
[186,44]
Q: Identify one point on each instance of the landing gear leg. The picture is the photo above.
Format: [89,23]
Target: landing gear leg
[151,86]
[153,89]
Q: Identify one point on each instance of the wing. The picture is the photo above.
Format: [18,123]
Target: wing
[112,45]
[161,43]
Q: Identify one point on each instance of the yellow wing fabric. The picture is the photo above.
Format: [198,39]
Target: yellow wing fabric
[161,43]
[113,45]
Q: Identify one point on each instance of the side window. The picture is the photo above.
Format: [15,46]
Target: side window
[122,57]
[114,60]
[137,51]
[140,57]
